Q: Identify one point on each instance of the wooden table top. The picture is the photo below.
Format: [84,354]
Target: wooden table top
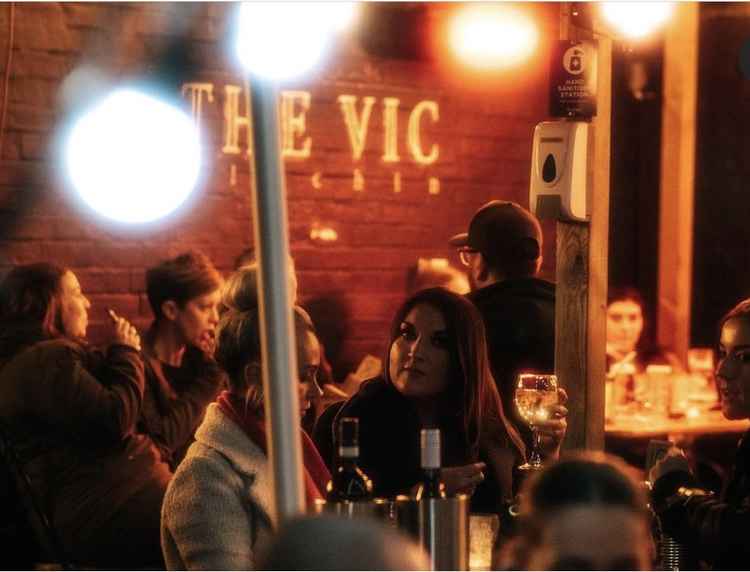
[642,426]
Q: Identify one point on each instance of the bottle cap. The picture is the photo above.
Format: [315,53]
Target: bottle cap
[430,445]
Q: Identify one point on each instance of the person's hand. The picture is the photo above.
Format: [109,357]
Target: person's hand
[123,332]
[463,479]
[207,343]
[674,460]
[552,430]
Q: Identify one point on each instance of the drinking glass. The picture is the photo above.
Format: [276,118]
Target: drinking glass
[701,360]
[483,529]
[703,392]
[536,394]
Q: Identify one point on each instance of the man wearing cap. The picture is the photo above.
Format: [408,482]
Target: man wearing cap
[502,251]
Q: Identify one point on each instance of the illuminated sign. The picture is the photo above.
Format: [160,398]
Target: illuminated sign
[356,114]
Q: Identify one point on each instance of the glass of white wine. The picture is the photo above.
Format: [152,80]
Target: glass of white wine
[536,394]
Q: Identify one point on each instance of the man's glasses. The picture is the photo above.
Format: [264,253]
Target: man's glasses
[464,255]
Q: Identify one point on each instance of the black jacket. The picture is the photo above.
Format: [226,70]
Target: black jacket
[717,530]
[389,443]
[70,413]
[175,400]
[519,319]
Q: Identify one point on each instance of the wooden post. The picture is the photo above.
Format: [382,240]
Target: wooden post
[580,320]
[677,185]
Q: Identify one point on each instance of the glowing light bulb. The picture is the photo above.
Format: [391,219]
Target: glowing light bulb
[492,37]
[281,40]
[132,157]
[636,19]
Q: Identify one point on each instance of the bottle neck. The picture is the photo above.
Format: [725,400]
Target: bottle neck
[430,474]
[432,486]
[348,455]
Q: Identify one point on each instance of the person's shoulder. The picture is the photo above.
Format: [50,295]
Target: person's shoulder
[513,290]
[513,300]
[370,391]
[201,467]
[201,458]
[57,349]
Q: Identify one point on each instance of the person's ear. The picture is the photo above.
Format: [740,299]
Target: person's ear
[170,310]
[482,269]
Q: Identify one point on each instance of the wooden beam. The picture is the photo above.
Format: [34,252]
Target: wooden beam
[580,321]
[677,184]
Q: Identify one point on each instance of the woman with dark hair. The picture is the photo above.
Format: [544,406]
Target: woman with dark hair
[182,376]
[626,343]
[218,510]
[713,526]
[70,412]
[586,512]
[437,376]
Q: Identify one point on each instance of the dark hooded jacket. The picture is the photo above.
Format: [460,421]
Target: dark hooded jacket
[519,319]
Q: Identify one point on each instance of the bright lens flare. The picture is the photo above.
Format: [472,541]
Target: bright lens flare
[282,40]
[636,19]
[133,158]
[492,37]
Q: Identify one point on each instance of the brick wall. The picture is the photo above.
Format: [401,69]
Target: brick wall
[353,284]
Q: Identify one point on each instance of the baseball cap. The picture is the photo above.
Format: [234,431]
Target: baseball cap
[502,229]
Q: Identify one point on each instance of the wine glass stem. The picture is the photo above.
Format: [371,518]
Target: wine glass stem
[535,458]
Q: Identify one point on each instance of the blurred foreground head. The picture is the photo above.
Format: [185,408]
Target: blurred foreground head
[586,512]
[334,543]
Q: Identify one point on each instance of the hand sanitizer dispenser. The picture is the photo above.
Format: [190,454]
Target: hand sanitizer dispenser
[558,171]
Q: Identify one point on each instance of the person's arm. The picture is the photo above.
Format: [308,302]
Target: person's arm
[71,396]
[716,530]
[205,514]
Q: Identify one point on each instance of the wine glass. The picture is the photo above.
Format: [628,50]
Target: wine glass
[536,394]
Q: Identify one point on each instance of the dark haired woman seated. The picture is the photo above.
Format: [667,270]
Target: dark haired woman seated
[715,528]
[70,413]
[626,343]
[437,376]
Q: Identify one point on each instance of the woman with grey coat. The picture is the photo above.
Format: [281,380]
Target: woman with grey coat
[218,511]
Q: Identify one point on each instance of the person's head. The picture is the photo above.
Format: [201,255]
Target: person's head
[183,292]
[624,320]
[733,364]
[244,258]
[437,351]
[434,272]
[238,352]
[241,288]
[45,297]
[504,241]
[585,512]
[336,543]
